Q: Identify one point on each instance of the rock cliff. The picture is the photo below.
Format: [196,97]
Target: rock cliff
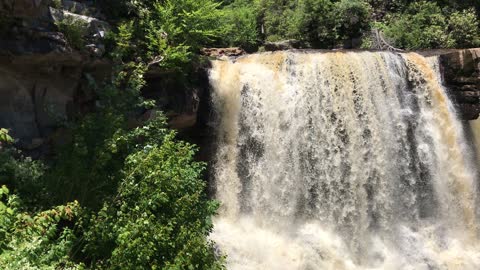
[42,82]
[461,71]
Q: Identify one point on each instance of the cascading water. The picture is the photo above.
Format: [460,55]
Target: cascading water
[341,160]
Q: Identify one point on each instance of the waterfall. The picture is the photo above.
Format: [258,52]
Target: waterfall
[341,160]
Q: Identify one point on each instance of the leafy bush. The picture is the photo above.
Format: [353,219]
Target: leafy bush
[352,17]
[318,23]
[464,28]
[279,19]
[87,169]
[74,31]
[155,212]
[4,137]
[239,25]
[41,241]
[116,9]
[160,217]
[423,25]
[314,23]
[168,33]
[20,172]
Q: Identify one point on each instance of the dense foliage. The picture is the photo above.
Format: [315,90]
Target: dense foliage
[426,25]
[406,24]
[123,196]
[143,197]
[114,197]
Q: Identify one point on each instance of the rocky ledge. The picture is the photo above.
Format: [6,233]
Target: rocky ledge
[461,74]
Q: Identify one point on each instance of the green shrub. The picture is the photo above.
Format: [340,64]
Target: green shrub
[56,4]
[352,17]
[275,16]
[87,169]
[160,217]
[155,212]
[464,28]
[239,25]
[169,33]
[41,241]
[314,23]
[423,25]
[24,175]
[19,172]
[4,137]
[74,31]
[115,9]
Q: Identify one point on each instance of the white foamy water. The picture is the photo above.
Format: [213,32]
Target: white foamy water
[341,161]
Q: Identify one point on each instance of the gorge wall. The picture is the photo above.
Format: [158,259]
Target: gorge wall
[461,72]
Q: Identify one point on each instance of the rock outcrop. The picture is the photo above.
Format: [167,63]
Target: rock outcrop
[42,82]
[461,72]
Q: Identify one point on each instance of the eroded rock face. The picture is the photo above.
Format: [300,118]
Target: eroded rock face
[461,71]
[39,94]
[42,82]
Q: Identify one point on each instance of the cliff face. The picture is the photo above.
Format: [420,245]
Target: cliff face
[42,82]
[461,71]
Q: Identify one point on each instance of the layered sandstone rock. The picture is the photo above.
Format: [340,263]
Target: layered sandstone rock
[461,71]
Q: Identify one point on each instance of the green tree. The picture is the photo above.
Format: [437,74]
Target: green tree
[240,25]
[464,28]
[160,217]
[87,168]
[275,18]
[353,18]
[22,174]
[314,23]
[168,33]
[421,26]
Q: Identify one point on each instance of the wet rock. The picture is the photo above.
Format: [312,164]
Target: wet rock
[471,97]
[220,52]
[461,72]
[282,45]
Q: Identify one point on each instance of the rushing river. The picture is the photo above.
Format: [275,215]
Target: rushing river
[341,160]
